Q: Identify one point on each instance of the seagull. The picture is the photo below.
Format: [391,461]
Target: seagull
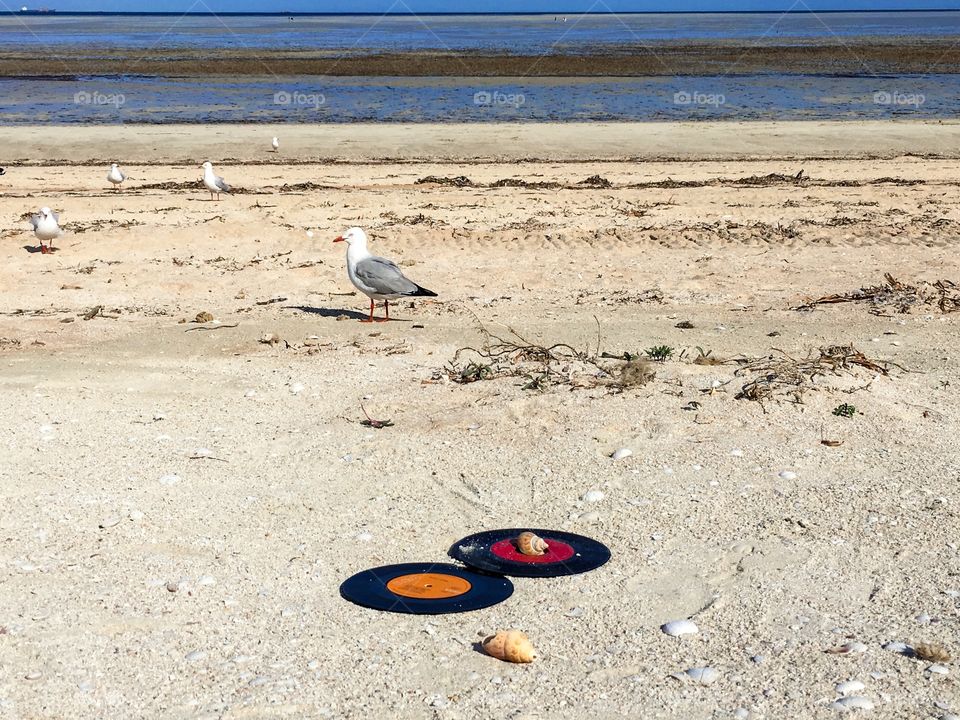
[376,277]
[46,226]
[215,184]
[276,145]
[115,176]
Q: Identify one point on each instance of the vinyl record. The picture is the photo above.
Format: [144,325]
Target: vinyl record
[425,589]
[495,551]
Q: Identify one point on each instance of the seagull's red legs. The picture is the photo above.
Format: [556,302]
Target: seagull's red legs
[369,319]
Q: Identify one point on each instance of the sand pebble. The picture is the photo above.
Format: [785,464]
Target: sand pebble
[309,233]
[574,612]
[593,496]
[364,536]
[924,619]
[938,669]
[195,655]
[250,393]
[172,586]
[736,452]
[109,522]
[676,628]
[313,665]
[621,453]
[297,388]
[741,713]
[590,517]
[86,686]
[703,675]
[35,675]
[852,702]
[949,716]
[849,687]
[169,479]
[788,475]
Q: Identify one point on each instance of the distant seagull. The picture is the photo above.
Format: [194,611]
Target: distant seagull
[276,145]
[376,277]
[46,226]
[115,176]
[215,184]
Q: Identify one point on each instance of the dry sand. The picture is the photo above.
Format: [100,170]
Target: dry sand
[182,504]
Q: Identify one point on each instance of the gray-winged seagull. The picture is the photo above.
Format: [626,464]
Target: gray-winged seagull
[376,277]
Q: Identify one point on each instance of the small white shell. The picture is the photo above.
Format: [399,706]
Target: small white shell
[849,648]
[938,669]
[853,702]
[676,628]
[849,687]
[703,675]
[622,453]
[898,647]
[788,475]
[593,496]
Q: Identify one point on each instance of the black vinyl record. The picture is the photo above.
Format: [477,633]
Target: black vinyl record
[496,551]
[425,589]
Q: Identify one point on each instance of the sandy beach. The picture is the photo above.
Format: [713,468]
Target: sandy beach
[182,500]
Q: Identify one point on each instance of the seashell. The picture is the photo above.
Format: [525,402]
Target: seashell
[703,675]
[932,652]
[593,496]
[510,646]
[788,475]
[849,687]
[676,628]
[853,702]
[899,648]
[849,648]
[621,453]
[938,670]
[530,544]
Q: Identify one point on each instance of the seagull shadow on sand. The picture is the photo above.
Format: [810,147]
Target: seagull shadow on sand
[336,313]
[37,248]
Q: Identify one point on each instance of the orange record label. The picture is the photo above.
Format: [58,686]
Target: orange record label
[428,586]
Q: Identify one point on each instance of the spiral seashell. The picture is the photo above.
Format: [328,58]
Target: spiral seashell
[932,652]
[510,646]
[530,544]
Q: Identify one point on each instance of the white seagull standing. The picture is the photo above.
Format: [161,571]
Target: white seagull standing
[215,184]
[275,144]
[376,277]
[116,176]
[46,226]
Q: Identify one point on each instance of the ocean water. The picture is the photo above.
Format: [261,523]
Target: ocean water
[271,99]
[517,34]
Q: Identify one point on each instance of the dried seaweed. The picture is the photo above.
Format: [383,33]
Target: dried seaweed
[897,295]
[543,366]
[459,181]
[782,376]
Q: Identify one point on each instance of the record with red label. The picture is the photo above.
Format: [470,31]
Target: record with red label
[425,588]
[500,551]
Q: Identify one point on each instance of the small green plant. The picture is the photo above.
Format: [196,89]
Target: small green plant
[846,410]
[660,353]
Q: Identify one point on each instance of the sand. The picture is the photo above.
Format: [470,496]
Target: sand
[182,502]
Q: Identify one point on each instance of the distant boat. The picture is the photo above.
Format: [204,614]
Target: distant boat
[39,11]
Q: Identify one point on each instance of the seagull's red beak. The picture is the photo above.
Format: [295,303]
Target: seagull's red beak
[339,238]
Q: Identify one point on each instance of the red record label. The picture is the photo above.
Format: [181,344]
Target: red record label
[556,552]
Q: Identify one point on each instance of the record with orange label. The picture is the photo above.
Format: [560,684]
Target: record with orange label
[560,553]
[425,588]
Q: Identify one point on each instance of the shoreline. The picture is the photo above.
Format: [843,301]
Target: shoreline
[477,143]
[894,56]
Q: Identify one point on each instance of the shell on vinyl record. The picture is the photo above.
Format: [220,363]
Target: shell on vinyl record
[530,544]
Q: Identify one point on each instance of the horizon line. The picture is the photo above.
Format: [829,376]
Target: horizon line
[43,12]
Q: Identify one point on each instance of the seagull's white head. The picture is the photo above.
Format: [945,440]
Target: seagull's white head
[45,211]
[207,165]
[114,166]
[353,236]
